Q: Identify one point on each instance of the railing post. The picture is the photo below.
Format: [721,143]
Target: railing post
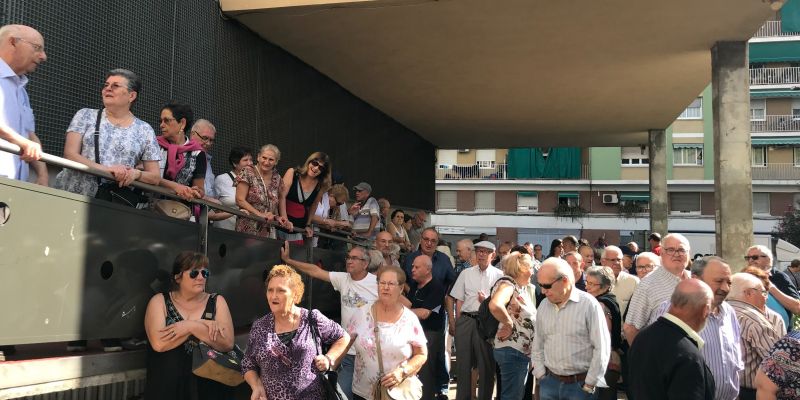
[310,255]
[203,230]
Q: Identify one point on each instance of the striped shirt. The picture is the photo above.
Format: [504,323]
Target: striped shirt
[722,350]
[573,339]
[653,290]
[759,332]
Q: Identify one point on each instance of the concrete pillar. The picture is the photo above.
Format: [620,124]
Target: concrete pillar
[659,199]
[733,199]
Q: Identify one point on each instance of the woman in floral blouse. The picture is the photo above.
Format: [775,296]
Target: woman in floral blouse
[779,374]
[259,191]
[513,303]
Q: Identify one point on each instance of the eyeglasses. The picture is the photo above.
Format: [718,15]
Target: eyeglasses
[353,258]
[671,251]
[205,139]
[649,267]
[388,284]
[317,164]
[36,46]
[548,286]
[613,260]
[285,360]
[755,257]
[430,240]
[193,273]
[113,86]
[590,283]
[764,292]
[166,120]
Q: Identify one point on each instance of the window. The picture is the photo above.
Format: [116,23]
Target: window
[569,198]
[632,156]
[761,203]
[484,201]
[797,156]
[687,154]
[641,199]
[684,203]
[447,158]
[485,158]
[694,111]
[527,201]
[795,109]
[758,109]
[758,155]
[447,200]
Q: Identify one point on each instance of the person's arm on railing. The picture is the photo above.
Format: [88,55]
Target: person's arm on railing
[31,151]
[241,200]
[42,176]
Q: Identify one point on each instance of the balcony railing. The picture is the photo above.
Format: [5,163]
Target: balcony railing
[777,171]
[497,172]
[772,29]
[776,123]
[775,76]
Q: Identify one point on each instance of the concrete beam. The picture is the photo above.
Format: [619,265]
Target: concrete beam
[733,190]
[659,200]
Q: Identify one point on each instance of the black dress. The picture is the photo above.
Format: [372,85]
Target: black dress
[298,204]
[169,374]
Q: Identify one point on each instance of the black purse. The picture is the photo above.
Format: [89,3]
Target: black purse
[225,368]
[329,378]
[110,191]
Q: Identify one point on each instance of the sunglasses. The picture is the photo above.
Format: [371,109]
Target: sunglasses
[193,273]
[317,164]
[548,286]
[755,257]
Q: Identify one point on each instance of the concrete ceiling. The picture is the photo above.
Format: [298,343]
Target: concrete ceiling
[512,73]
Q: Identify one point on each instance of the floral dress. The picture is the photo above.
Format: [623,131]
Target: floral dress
[522,309]
[782,366]
[263,194]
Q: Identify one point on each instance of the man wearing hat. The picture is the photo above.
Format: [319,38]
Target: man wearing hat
[471,288]
[365,212]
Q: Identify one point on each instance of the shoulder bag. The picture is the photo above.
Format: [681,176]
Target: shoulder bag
[225,368]
[110,191]
[329,378]
[409,389]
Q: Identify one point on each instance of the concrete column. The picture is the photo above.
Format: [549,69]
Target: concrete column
[659,199]
[733,199]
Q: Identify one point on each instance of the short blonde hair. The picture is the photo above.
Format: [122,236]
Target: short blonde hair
[293,279]
[401,276]
[515,262]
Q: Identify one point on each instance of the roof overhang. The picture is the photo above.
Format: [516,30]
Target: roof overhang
[514,73]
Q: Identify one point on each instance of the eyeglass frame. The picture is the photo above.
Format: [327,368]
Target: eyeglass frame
[389,284]
[650,266]
[671,251]
[755,257]
[764,292]
[194,273]
[353,258]
[205,139]
[39,48]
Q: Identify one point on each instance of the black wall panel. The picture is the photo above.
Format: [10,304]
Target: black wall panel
[253,91]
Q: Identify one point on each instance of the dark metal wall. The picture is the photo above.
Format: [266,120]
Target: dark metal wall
[254,92]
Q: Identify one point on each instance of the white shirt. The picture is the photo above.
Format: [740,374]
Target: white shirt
[354,294]
[626,285]
[16,113]
[471,281]
[223,186]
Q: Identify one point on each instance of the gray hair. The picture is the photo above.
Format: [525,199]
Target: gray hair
[699,265]
[683,297]
[604,275]
[272,148]
[611,247]
[763,249]
[678,236]
[562,268]
[468,243]
[740,282]
[204,122]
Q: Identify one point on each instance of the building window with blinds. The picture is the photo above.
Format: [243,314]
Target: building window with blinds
[758,110]
[571,199]
[484,201]
[694,111]
[486,158]
[761,203]
[527,202]
[687,154]
[758,155]
[684,203]
[797,156]
[635,156]
[446,158]
[447,200]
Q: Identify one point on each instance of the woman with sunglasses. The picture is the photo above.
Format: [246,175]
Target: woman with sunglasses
[282,361]
[175,321]
[303,188]
[403,346]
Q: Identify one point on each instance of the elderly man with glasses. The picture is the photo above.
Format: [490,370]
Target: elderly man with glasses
[626,283]
[760,327]
[783,289]
[657,287]
[357,288]
[572,344]
[204,133]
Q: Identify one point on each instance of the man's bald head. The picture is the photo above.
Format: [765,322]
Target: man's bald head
[22,48]
[691,303]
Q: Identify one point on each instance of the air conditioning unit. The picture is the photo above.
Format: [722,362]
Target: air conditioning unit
[463,150]
[610,198]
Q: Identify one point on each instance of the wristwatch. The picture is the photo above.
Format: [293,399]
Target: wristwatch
[588,389]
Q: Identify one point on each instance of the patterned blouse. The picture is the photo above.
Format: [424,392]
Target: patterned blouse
[522,309]
[782,366]
[396,341]
[118,146]
[263,194]
[287,371]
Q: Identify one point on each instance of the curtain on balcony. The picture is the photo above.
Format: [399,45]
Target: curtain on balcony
[530,163]
[790,16]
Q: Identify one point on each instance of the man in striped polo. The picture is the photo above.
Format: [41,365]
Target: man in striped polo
[657,287]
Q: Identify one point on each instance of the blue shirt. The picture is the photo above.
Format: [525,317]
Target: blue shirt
[16,113]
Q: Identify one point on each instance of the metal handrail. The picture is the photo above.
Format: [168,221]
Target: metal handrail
[65,163]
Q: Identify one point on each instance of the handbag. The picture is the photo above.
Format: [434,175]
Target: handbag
[110,191]
[409,389]
[172,208]
[222,367]
[332,390]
